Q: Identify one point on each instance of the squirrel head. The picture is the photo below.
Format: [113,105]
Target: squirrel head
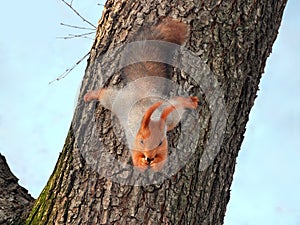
[150,148]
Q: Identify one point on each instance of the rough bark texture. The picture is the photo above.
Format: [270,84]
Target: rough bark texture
[234,37]
[15,201]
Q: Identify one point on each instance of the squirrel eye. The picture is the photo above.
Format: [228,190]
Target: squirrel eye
[142,141]
[160,143]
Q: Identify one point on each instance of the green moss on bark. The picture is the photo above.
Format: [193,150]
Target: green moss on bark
[44,203]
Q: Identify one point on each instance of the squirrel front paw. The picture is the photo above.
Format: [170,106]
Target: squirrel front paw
[141,162]
[92,95]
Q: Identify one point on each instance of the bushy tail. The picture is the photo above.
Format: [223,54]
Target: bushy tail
[145,57]
[171,30]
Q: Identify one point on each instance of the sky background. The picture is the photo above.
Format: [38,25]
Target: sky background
[35,116]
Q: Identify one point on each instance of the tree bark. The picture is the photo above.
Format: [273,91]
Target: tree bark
[15,201]
[234,38]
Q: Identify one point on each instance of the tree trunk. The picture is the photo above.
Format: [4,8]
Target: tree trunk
[91,185]
[15,201]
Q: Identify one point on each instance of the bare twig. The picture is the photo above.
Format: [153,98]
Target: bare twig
[76,35]
[87,38]
[84,35]
[71,7]
[77,27]
[63,75]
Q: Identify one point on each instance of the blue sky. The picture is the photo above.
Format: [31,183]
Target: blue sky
[35,116]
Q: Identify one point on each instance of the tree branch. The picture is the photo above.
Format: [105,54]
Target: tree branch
[78,14]
[84,35]
[64,74]
[77,27]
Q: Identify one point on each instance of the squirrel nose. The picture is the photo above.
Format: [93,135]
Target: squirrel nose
[149,160]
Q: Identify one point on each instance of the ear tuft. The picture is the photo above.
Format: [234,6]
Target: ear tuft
[147,116]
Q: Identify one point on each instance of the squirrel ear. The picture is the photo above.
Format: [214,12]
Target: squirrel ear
[164,115]
[147,116]
[166,112]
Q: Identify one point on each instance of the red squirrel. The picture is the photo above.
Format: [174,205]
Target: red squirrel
[149,144]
